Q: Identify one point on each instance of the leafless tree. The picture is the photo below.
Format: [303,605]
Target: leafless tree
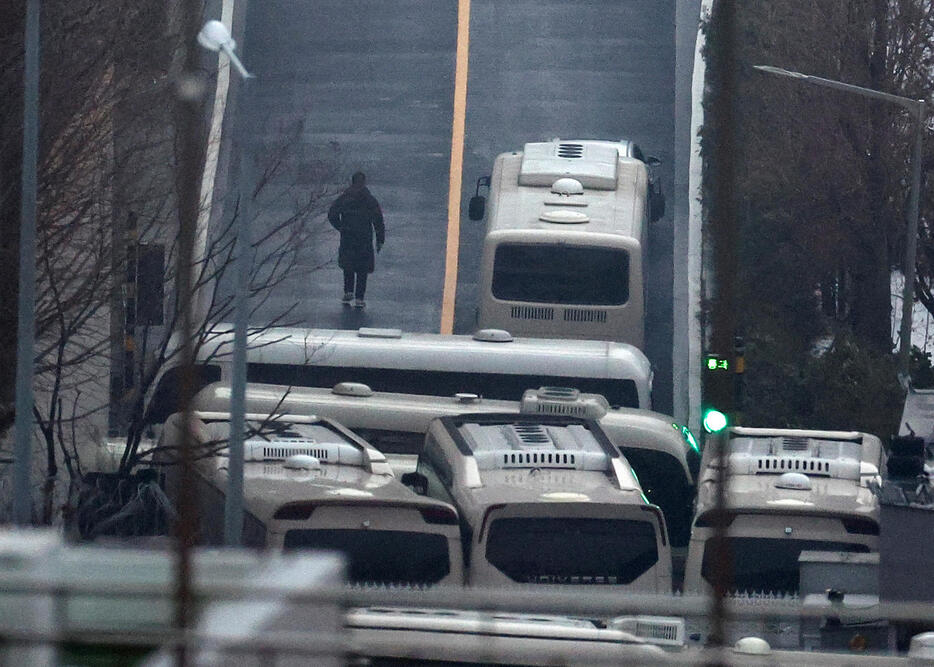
[108,155]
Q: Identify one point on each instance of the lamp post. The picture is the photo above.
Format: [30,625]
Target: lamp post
[26,318]
[215,36]
[918,108]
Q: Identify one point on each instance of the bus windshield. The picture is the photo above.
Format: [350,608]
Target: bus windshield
[381,556]
[561,274]
[564,550]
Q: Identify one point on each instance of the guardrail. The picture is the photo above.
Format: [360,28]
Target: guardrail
[312,642]
[598,604]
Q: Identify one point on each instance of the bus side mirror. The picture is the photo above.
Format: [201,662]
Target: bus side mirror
[656,203]
[656,198]
[477,206]
[416,481]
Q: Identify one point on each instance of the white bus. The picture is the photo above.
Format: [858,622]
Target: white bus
[565,241]
[310,483]
[544,501]
[787,491]
[425,636]
[663,454]
[490,363]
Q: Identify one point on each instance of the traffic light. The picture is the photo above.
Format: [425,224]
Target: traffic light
[716,363]
[714,421]
[718,393]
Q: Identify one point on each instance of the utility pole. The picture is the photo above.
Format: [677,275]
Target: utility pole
[189,94]
[216,37]
[718,392]
[723,228]
[26,317]
[918,109]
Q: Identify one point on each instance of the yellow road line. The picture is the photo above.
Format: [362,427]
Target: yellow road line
[457,162]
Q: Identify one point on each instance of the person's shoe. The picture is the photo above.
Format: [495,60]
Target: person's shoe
[359,303]
[348,297]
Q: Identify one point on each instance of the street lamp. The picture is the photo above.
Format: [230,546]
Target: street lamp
[918,109]
[215,37]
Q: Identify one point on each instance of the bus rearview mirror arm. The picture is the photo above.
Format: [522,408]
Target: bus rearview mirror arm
[656,198]
[477,206]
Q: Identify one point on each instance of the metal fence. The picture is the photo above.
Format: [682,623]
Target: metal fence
[269,645]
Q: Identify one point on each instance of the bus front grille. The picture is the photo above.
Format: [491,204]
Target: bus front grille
[532,312]
[577,315]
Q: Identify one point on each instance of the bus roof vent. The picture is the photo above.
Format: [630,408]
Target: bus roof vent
[922,646]
[529,435]
[373,332]
[559,393]
[524,444]
[795,481]
[352,389]
[563,216]
[492,336]
[776,455]
[592,163]
[571,150]
[661,630]
[258,449]
[565,401]
[792,443]
[301,462]
[532,458]
[567,187]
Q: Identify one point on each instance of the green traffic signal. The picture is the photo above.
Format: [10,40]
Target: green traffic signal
[714,421]
[715,362]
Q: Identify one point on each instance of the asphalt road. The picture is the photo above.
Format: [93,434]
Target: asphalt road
[368,84]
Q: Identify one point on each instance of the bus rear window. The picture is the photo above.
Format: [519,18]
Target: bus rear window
[381,556]
[572,551]
[766,564]
[562,274]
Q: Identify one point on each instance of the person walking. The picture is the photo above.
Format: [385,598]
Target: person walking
[357,216]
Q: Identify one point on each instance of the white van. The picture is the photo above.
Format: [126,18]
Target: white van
[663,454]
[565,241]
[310,483]
[788,491]
[544,501]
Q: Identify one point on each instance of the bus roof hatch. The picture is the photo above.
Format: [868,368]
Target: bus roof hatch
[535,446]
[593,163]
[565,401]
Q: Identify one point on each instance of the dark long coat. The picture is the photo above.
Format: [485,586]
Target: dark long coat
[356,215]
